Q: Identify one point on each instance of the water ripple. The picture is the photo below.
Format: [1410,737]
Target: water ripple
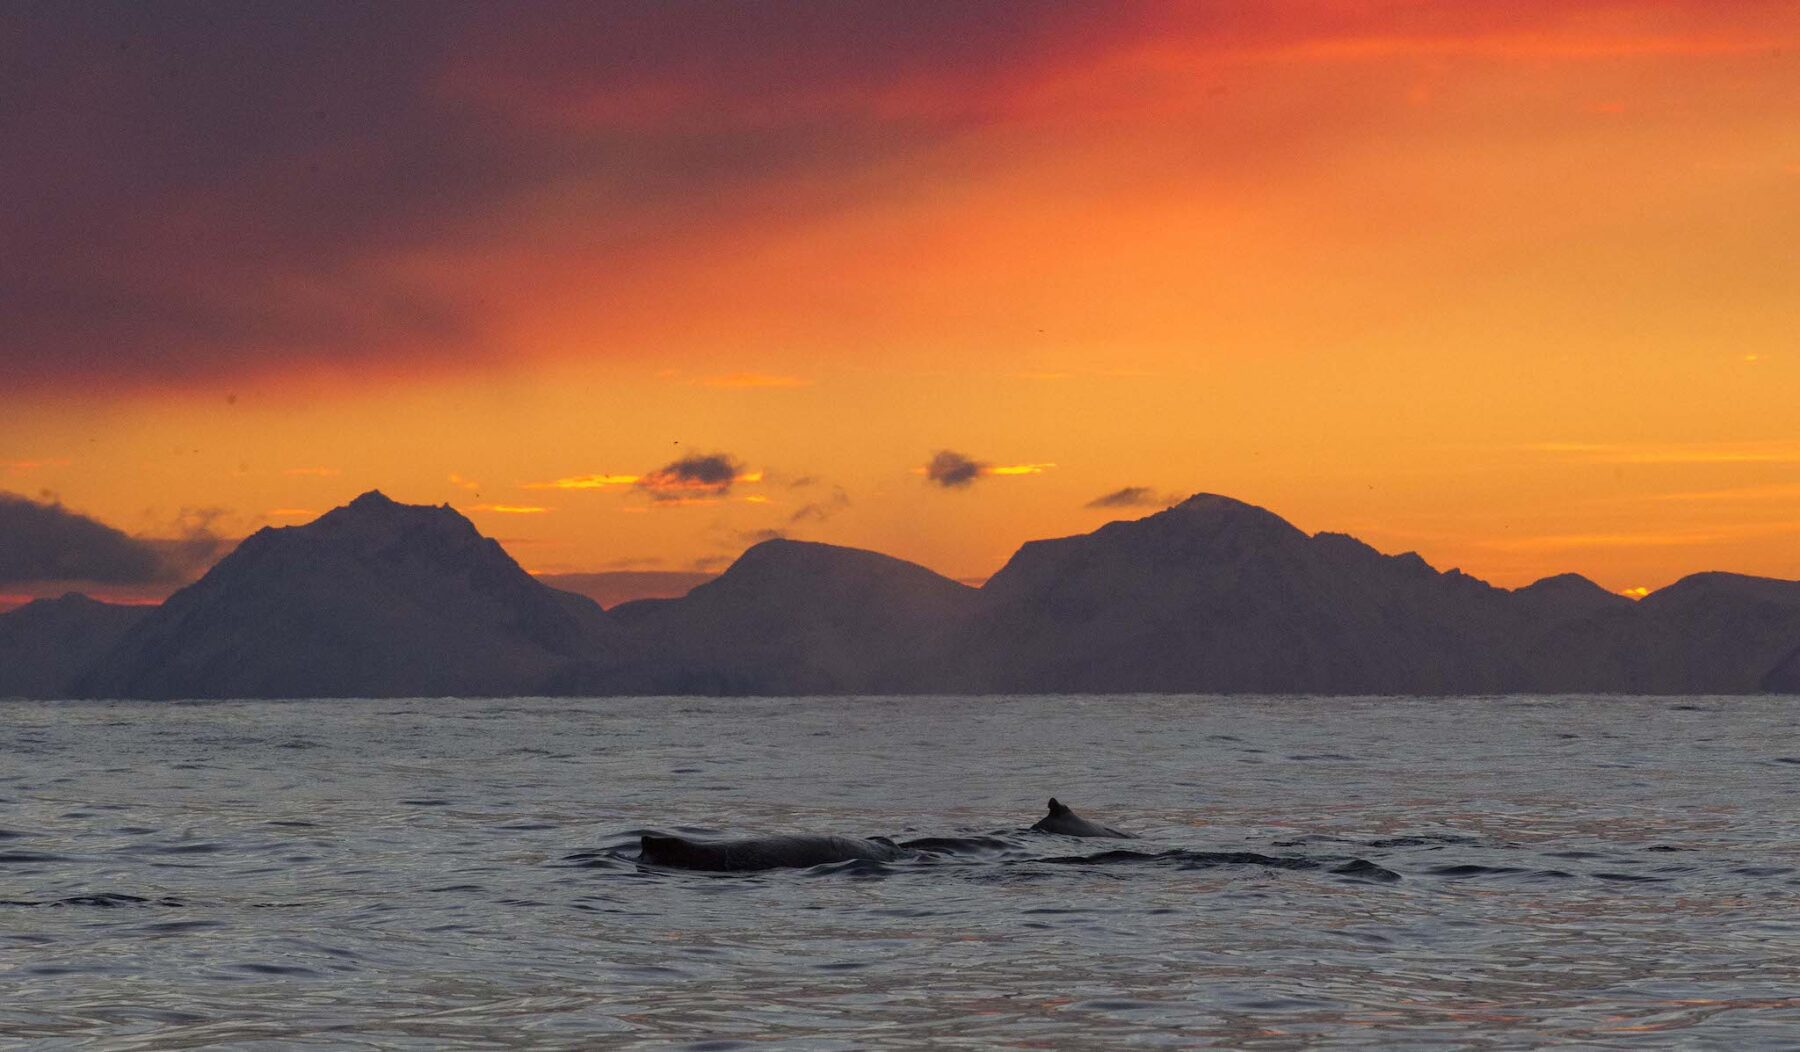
[1374,873]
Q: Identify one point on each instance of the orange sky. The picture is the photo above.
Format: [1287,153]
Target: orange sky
[1515,286]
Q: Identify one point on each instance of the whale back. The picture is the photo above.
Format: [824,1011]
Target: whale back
[1063,820]
[774,852]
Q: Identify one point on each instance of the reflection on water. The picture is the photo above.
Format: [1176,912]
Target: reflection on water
[449,873]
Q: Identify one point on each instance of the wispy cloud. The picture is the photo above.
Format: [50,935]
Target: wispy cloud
[700,475]
[512,509]
[1568,46]
[821,510]
[469,484]
[1698,536]
[586,482]
[1746,494]
[1690,453]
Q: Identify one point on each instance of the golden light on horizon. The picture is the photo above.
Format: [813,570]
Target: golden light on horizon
[585,482]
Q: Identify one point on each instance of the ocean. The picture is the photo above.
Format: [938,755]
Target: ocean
[1377,873]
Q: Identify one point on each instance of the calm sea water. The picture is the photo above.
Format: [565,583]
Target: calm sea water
[438,874]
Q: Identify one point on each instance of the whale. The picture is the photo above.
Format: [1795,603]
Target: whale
[1062,819]
[770,852]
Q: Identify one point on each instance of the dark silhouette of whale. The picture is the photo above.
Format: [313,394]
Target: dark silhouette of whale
[1064,820]
[770,852]
[800,851]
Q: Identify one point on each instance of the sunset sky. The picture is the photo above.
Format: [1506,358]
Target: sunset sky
[1513,284]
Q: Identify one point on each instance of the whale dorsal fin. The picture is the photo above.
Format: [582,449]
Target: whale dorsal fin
[1057,807]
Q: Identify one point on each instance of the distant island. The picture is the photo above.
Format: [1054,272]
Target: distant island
[382,599]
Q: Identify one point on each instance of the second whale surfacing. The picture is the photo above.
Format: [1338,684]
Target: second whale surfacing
[1063,819]
[770,852]
[802,851]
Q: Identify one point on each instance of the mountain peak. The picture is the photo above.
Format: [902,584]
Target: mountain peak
[1564,584]
[375,597]
[1215,513]
[791,554]
[1708,584]
[789,565]
[1216,501]
[374,521]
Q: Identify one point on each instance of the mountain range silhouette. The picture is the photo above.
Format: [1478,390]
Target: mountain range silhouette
[381,599]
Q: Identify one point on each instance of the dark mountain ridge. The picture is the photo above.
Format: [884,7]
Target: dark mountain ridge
[374,598]
[1210,596]
[797,617]
[48,642]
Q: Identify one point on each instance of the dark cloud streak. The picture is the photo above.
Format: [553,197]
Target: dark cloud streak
[821,510]
[1132,497]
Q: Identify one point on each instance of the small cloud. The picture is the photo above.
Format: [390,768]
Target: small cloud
[1133,497]
[711,563]
[469,484]
[952,470]
[511,509]
[755,380]
[759,536]
[698,475]
[323,473]
[695,479]
[585,482]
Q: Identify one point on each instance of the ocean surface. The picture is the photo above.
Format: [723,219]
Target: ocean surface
[1378,873]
